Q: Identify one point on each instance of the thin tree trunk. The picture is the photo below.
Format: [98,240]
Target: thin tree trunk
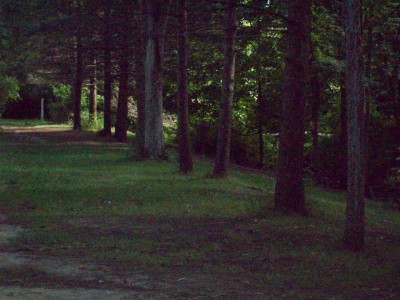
[355,212]
[121,124]
[140,57]
[156,25]
[396,93]
[107,70]
[289,191]
[315,104]
[185,155]
[260,121]
[78,85]
[93,95]
[343,111]
[78,73]
[225,113]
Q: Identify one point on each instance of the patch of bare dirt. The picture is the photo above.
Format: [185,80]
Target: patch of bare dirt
[54,134]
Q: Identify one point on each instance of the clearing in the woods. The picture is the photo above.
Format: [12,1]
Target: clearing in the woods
[81,219]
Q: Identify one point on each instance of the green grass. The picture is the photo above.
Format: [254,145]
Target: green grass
[24,122]
[91,201]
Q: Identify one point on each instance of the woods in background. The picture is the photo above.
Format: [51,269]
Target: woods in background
[300,87]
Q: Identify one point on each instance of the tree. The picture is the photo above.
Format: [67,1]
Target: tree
[121,125]
[356,163]
[157,12]
[140,57]
[93,94]
[225,114]
[185,156]
[289,191]
[78,68]
[107,45]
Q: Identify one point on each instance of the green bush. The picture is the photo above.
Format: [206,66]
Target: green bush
[61,108]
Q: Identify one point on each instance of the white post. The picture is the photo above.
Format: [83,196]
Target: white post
[42,109]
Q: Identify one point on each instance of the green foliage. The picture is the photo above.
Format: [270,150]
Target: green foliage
[60,109]
[9,86]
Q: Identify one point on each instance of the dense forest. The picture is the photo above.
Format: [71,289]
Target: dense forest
[307,89]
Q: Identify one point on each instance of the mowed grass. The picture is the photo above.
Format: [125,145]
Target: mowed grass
[91,201]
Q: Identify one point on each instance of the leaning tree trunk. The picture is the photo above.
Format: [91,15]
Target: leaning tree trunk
[225,113]
[185,155]
[356,165]
[289,191]
[93,95]
[140,57]
[156,25]
[107,69]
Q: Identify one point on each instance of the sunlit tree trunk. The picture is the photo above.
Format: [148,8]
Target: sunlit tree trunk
[156,11]
[356,166]
[289,191]
[185,155]
[225,112]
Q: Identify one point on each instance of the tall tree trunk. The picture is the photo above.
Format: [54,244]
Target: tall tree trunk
[107,69]
[121,123]
[93,95]
[315,104]
[185,155]
[343,110]
[78,73]
[395,86]
[260,121]
[140,57]
[156,25]
[355,212]
[225,113]
[289,191]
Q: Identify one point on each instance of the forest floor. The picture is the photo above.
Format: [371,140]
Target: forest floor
[81,219]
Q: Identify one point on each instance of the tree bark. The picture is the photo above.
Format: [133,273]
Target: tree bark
[225,113]
[356,165]
[156,12]
[107,70]
[185,155]
[260,121]
[78,73]
[140,57]
[121,123]
[315,104]
[289,191]
[93,95]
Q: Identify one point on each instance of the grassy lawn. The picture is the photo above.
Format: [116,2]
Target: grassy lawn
[89,200]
